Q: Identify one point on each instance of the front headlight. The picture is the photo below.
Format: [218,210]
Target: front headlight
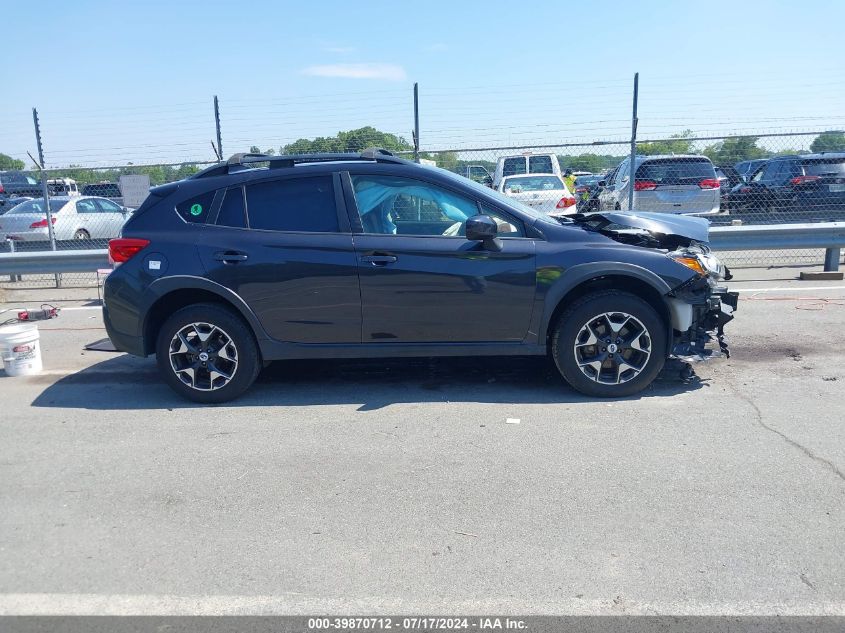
[705,264]
[690,262]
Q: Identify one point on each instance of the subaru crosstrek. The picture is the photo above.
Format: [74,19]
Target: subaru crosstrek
[342,255]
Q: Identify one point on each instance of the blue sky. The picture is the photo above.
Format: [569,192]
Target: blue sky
[133,82]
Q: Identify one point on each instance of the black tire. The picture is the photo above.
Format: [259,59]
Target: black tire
[81,234]
[243,362]
[573,322]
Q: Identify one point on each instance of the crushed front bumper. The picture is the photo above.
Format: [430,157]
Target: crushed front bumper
[713,306]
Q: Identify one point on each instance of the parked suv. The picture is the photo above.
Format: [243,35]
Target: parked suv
[17,184]
[796,185]
[685,185]
[339,256]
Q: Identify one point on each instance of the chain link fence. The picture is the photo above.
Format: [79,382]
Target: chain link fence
[752,175]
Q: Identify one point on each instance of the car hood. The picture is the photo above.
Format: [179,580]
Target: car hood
[668,231]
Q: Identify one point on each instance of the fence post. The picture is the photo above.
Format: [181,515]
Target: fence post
[217,126]
[831,259]
[416,123]
[633,143]
[45,189]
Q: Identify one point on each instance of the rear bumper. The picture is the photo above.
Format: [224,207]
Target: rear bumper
[121,316]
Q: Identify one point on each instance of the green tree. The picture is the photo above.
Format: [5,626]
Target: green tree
[595,163]
[350,141]
[676,144]
[832,141]
[7,162]
[732,150]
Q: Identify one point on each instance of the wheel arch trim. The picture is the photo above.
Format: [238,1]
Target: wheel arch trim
[164,286]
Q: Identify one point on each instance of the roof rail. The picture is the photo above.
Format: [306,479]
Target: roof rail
[238,162]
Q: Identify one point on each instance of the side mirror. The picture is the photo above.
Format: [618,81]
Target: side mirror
[483,228]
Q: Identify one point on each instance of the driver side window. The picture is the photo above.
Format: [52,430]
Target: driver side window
[391,205]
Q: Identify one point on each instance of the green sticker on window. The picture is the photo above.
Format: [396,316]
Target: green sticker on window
[196,209]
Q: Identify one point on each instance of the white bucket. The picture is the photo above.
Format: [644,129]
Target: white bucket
[20,349]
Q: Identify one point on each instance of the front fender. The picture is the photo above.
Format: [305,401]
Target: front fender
[576,275]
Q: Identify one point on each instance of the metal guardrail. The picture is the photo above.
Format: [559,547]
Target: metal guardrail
[49,262]
[827,235]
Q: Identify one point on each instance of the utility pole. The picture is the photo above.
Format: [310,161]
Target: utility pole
[633,166]
[416,123]
[217,125]
[44,188]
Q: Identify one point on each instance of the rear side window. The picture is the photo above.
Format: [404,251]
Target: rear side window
[293,204]
[676,171]
[539,164]
[196,209]
[232,211]
[513,166]
[829,167]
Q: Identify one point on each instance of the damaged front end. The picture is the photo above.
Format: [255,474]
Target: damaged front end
[700,307]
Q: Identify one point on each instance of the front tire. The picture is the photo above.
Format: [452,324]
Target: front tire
[206,353]
[609,344]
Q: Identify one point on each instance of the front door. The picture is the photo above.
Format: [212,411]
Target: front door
[422,281]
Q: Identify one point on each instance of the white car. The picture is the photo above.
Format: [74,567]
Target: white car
[543,192]
[74,218]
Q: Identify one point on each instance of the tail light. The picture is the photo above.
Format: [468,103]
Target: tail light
[645,185]
[565,203]
[123,249]
[803,180]
[42,224]
[2,189]
[581,190]
[710,183]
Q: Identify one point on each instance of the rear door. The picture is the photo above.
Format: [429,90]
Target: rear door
[112,217]
[423,283]
[283,245]
[677,185]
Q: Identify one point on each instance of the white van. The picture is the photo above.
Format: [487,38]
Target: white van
[526,163]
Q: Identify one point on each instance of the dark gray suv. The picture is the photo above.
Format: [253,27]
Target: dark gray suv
[343,255]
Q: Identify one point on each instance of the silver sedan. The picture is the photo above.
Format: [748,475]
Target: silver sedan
[74,218]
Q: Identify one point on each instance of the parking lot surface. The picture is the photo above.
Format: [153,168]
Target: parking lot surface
[433,486]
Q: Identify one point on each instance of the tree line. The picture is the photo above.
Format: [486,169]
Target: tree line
[727,152]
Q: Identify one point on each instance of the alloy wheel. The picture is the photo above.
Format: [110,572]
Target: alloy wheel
[612,348]
[203,356]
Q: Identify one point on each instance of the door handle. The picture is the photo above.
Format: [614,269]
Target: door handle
[379,260]
[230,257]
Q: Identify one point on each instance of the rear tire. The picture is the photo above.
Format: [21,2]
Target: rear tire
[207,353]
[81,234]
[609,344]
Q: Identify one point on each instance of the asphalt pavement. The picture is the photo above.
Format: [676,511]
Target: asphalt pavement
[433,486]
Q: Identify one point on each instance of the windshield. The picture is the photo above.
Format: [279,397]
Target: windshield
[516,184]
[498,196]
[36,206]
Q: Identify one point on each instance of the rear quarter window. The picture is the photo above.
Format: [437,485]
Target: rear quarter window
[195,210]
